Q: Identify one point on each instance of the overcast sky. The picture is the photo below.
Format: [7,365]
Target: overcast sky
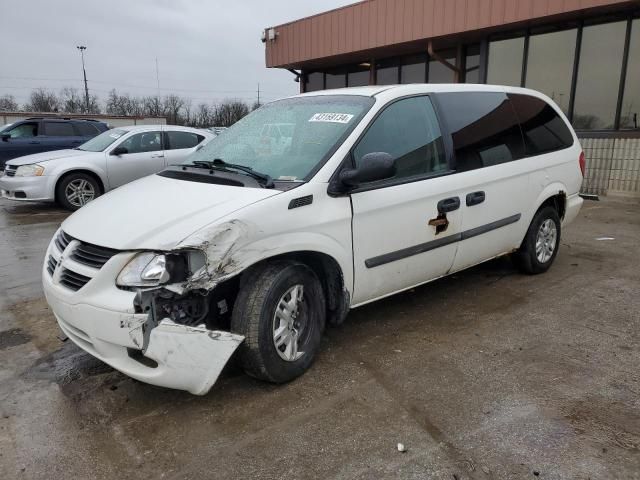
[206,50]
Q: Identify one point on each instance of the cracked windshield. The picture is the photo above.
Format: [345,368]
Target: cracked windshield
[289,138]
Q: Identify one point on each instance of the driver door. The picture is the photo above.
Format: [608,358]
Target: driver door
[145,156]
[395,246]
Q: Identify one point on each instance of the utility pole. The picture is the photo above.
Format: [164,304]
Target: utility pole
[157,76]
[258,94]
[82,48]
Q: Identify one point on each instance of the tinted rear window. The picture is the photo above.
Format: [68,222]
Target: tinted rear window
[178,140]
[543,129]
[87,129]
[59,129]
[483,127]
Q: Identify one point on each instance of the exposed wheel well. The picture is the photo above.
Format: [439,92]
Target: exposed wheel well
[86,172]
[559,202]
[330,275]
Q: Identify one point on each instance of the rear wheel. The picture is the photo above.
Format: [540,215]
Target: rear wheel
[280,310]
[76,190]
[540,245]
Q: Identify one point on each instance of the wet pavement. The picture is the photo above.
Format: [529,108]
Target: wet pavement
[487,374]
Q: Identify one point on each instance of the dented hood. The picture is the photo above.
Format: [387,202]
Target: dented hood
[157,212]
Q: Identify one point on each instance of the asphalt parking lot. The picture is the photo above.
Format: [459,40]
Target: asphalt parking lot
[487,374]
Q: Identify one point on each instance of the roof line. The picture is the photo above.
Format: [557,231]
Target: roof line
[318,14]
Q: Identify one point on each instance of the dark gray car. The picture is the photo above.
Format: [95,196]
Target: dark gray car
[35,135]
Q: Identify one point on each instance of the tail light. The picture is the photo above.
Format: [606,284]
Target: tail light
[582,163]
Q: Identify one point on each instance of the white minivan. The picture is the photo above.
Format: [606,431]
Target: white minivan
[380,189]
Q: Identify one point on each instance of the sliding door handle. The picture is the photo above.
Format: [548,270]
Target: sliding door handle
[448,204]
[475,198]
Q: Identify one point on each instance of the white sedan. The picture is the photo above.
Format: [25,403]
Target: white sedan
[75,177]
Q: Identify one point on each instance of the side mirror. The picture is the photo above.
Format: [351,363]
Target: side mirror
[5,136]
[119,151]
[375,166]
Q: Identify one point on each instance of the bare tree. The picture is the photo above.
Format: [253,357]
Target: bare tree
[153,106]
[172,105]
[8,104]
[203,116]
[229,112]
[71,100]
[42,100]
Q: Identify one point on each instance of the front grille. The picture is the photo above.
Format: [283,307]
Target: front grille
[10,171]
[72,280]
[62,240]
[92,255]
[51,265]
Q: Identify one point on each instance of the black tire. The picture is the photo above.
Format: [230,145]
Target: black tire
[261,291]
[62,190]
[526,259]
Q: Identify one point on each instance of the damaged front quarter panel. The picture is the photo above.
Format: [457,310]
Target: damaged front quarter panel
[175,333]
[219,243]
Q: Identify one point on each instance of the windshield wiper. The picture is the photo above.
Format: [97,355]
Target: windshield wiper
[219,164]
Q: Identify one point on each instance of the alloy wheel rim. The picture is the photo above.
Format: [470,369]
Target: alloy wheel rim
[79,192]
[289,323]
[546,240]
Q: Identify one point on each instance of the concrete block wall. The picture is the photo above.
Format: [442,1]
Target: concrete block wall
[612,166]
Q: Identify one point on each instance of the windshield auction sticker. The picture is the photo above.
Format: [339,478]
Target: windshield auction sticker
[331,117]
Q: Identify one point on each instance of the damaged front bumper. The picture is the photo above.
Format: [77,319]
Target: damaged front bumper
[165,353]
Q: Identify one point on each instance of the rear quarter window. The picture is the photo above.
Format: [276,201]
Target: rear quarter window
[179,140]
[86,129]
[542,128]
[484,128]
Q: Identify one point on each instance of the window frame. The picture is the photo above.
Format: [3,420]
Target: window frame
[348,161]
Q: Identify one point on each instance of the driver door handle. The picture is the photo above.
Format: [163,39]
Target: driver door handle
[158,155]
[449,204]
[475,198]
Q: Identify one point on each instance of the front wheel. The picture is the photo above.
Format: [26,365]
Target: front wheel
[76,190]
[540,245]
[280,310]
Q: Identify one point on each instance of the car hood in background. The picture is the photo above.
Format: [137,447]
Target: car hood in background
[48,156]
[157,213]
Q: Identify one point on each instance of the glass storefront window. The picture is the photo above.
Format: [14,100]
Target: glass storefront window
[504,65]
[550,65]
[414,69]
[599,76]
[438,73]
[315,81]
[472,64]
[630,113]
[337,80]
[358,78]
[387,72]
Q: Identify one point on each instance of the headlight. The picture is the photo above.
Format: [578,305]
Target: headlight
[144,270]
[30,171]
[150,269]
